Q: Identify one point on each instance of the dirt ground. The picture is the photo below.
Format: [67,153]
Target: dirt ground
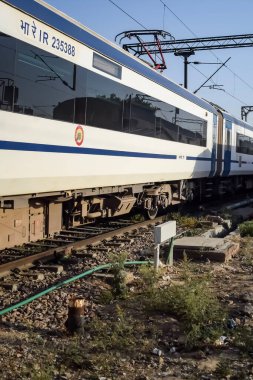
[132,333]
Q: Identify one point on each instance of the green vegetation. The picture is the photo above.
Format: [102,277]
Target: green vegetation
[119,288]
[74,355]
[222,370]
[149,277]
[184,220]
[246,229]
[247,252]
[37,371]
[243,339]
[117,334]
[137,218]
[192,302]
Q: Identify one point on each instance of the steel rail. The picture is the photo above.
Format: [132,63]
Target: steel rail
[56,252]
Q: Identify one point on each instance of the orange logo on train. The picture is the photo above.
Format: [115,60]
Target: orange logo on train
[79,135]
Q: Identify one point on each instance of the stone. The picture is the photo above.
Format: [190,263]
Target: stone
[248,310]
[157,352]
[35,276]
[202,248]
[52,268]
[209,364]
[215,219]
[10,286]
[247,297]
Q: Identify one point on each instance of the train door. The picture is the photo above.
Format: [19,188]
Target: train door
[214,147]
[219,144]
[227,147]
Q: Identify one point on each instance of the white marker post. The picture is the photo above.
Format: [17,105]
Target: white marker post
[163,233]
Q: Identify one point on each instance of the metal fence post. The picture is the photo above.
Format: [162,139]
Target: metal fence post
[157,256]
[169,259]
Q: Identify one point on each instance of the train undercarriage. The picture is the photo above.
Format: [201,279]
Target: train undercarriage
[30,218]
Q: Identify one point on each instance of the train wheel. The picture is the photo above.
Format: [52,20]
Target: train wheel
[152,213]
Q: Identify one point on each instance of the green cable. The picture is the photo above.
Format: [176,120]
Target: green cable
[65,282]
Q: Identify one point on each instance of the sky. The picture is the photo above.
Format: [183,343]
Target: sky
[183,19]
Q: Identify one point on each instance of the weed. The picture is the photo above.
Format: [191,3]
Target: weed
[222,370]
[119,274]
[106,297]
[38,372]
[118,334]
[184,220]
[243,339]
[193,303]
[192,232]
[198,310]
[247,251]
[186,268]
[149,277]
[246,229]
[123,334]
[75,356]
[137,218]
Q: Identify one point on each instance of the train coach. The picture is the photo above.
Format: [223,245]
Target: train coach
[88,131]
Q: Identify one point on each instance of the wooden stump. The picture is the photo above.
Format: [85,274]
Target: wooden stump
[75,321]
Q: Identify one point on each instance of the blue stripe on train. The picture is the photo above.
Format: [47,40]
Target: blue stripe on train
[198,158]
[31,147]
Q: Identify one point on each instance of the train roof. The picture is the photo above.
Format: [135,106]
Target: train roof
[237,121]
[65,24]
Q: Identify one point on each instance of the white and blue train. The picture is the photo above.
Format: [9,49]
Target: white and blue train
[87,130]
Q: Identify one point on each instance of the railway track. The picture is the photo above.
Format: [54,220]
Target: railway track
[27,276]
[68,241]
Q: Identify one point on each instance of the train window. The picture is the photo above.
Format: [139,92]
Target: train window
[244,144]
[166,128]
[80,96]
[107,66]
[237,142]
[46,84]
[192,130]
[8,91]
[142,120]
[228,139]
[104,102]
[126,111]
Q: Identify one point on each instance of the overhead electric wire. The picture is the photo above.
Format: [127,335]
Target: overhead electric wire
[195,68]
[237,76]
[122,10]
[215,55]
[178,18]
[234,97]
